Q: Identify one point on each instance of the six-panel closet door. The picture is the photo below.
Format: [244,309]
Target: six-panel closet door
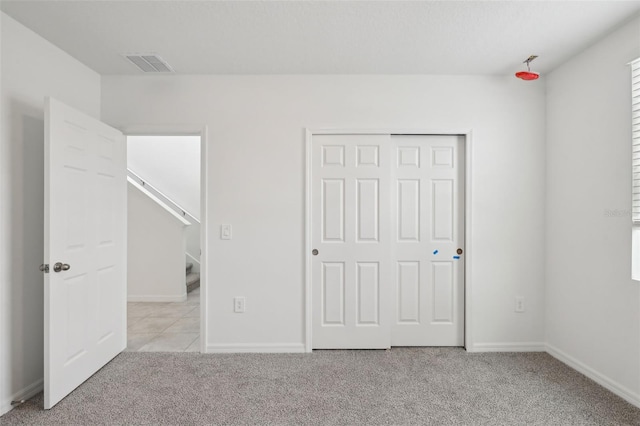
[428,240]
[351,272]
[387,241]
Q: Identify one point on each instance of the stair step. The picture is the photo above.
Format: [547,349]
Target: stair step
[193,281]
[189,267]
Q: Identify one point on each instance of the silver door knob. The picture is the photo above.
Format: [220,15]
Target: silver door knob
[314,252]
[61,267]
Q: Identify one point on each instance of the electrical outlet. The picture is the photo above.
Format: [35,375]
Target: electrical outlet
[238,305]
[519,304]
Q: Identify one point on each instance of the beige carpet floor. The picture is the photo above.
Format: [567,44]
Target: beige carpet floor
[418,386]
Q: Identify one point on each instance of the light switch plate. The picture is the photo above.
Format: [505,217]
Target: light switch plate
[225,232]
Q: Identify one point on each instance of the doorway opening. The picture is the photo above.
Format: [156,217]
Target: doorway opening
[85,242]
[164,242]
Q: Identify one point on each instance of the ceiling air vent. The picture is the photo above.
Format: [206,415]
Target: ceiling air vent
[148,62]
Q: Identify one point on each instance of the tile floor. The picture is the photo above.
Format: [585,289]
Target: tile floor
[164,327]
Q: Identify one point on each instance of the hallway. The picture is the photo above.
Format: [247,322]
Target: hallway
[164,327]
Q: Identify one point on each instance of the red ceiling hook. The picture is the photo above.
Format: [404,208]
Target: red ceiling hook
[528,75]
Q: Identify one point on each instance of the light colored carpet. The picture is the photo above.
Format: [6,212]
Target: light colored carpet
[430,386]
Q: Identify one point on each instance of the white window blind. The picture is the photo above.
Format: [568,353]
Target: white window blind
[635,138]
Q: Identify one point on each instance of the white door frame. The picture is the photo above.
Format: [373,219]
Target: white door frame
[308,326]
[189,130]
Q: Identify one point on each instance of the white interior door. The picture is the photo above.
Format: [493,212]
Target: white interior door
[388,225]
[428,239]
[351,272]
[85,230]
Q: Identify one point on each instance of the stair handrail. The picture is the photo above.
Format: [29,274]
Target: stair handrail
[165,199]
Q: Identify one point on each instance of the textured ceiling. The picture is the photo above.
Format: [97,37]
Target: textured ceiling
[323,37]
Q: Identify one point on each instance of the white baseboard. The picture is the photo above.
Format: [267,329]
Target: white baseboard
[25,393]
[613,386]
[507,347]
[256,348]
[157,298]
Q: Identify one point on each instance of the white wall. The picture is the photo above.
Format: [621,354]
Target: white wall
[155,249]
[593,307]
[256,162]
[32,68]
[171,164]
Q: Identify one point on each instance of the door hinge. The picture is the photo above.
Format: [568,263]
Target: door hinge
[44,268]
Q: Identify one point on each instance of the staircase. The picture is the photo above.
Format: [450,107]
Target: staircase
[193,278]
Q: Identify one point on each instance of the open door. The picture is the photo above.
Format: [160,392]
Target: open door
[85,248]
